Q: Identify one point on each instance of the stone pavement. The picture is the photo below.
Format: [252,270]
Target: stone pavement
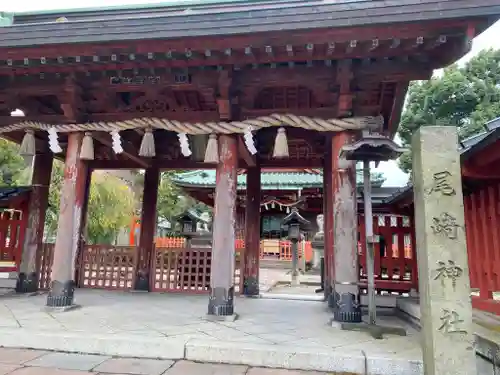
[269,333]
[33,362]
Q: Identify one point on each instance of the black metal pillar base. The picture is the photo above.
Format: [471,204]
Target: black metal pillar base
[251,287]
[27,284]
[61,294]
[142,282]
[346,307]
[221,301]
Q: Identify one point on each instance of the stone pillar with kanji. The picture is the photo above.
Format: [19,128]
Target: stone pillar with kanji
[33,240]
[221,299]
[148,228]
[251,253]
[443,272]
[70,224]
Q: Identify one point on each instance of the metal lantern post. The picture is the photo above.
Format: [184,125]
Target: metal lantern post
[377,148]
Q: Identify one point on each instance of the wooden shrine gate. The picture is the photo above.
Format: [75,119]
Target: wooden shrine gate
[12,232]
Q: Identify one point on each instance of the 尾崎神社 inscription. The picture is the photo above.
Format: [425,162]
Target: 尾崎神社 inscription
[448,271]
[445,225]
[451,322]
[442,184]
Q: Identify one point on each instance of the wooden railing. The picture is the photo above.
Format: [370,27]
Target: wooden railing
[45,259]
[186,270]
[107,267]
[482,226]
[396,267]
[12,231]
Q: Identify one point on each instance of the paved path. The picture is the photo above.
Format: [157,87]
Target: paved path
[34,362]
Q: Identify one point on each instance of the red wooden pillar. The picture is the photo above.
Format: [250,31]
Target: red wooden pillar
[69,228]
[221,300]
[328,196]
[39,198]
[414,263]
[252,233]
[148,228]
[342,212]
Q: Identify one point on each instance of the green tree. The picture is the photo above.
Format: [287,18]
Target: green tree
[465,97]
[111,205]
[12,165]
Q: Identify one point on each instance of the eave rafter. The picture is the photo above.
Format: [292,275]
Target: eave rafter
[329,44]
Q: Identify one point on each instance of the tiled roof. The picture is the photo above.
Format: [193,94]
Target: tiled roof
[472,144]
[7,193]
[467,148]
[269,180]
[213,18]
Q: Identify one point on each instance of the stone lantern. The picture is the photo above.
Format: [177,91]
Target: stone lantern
[296,223]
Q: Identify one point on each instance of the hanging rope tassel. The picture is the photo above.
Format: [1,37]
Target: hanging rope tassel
[28,145]
[87,150]
[281,144]
[212,150]
[148,145]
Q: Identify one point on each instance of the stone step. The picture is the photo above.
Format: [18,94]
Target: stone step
[7,281]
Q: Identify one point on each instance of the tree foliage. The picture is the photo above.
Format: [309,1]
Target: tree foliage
[12,165]
[466,97]
[111,206]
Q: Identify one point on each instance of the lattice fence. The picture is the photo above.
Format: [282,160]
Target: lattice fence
[45,260]
[108,267]
[186,270]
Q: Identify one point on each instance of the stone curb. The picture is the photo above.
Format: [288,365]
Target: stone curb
[409,310]
[256,355]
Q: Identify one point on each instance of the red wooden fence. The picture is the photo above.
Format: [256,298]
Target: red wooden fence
[482,225]
[396,267]
[12,231]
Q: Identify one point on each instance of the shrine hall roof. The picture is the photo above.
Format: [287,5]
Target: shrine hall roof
[269,180]
[209,18]
[8,193]
[276,180]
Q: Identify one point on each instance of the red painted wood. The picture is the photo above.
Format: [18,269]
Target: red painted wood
[482,220]
[251,253]
[12,228]
[395,271]
[39,198]
[328,201]
[414,258]
[148,220]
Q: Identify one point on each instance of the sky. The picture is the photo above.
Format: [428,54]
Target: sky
[394,176]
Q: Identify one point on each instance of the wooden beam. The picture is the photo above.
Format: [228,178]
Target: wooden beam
[471,171]
[103,138]
[243,152]
[397,107]
[487,155]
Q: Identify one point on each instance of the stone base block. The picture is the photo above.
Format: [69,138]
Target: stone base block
[60,309]
[375,330]
[221,318]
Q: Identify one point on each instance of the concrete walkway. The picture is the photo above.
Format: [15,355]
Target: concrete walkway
[33,362]
[268,333]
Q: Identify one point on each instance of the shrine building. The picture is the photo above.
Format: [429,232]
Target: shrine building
[228,85]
